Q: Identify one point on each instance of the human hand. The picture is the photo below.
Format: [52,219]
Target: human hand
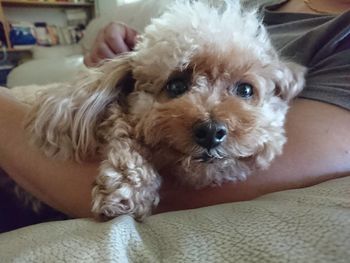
[112,40]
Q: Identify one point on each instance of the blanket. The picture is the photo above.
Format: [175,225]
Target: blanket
[304,225]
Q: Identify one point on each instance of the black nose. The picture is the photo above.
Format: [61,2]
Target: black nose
[209,134]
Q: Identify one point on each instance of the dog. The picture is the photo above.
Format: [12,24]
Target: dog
[204,93]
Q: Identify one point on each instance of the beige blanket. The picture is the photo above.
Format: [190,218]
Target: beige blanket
[305,225]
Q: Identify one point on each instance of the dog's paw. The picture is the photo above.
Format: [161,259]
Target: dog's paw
[110,200]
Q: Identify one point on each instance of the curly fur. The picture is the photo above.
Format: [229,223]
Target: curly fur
[121,112]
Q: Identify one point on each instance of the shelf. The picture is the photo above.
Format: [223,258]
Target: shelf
[43,4]
[11,49]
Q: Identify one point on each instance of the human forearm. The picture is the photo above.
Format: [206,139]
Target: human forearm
[64,185]
[317,150]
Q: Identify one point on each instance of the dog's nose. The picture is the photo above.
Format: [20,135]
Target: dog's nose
[209,134]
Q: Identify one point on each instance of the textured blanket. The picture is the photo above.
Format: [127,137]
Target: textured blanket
[304,225]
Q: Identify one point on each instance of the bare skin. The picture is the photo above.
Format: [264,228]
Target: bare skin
[65,186]
[114,39]
[316,6]
[318,149]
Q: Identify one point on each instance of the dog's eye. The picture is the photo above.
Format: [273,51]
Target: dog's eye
[176,87]
[244,90]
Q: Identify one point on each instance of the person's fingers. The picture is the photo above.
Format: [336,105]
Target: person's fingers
[104,52]
[100,51]
[87,60]
[114,35]
[95,60]
[91,59]
[130,37]
[114,39]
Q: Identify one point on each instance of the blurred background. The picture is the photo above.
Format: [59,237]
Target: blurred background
[50,32]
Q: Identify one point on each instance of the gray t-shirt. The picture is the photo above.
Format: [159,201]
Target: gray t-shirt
[321,43]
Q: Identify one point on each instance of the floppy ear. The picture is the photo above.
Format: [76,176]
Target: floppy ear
[63,121]
[289,80]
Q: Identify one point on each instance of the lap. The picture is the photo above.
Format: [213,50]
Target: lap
[318,149]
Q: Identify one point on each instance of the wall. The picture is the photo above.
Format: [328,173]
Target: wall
[105,6]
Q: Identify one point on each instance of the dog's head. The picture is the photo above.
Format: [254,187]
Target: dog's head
[211,93]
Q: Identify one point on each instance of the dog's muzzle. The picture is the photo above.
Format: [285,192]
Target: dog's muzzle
[209,134]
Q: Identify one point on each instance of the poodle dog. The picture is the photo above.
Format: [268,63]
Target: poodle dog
[204,93]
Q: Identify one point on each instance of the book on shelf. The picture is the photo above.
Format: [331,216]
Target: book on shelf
[22,33]
[53,35]
[26,35]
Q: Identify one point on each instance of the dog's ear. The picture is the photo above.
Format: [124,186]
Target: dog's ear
[126,85]
[289,80]
[63,121]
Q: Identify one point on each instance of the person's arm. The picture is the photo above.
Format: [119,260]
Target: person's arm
[64,185]
[318,149]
